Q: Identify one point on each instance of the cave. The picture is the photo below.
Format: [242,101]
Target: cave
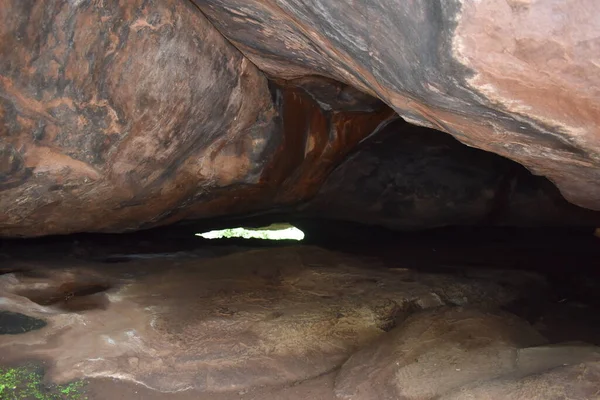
[286,200]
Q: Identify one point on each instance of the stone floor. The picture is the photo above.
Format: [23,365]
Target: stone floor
[267,323]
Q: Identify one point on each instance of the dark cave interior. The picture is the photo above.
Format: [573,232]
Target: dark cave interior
[567,257]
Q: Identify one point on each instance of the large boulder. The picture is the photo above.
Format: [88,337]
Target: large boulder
[518,78]
[139,113]
[464,353]
[113,115]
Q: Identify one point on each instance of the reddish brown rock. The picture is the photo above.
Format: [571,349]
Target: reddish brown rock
[136,114]
[518,78]
[316,132]
[112,114]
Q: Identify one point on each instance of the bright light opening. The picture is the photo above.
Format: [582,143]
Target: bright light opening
[272,232]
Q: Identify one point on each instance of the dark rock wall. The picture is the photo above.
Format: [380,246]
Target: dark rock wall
[409,177]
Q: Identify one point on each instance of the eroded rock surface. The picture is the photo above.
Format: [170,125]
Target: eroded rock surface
[518,78]
[262,317]
[115,109]
[136,114]
[464,353]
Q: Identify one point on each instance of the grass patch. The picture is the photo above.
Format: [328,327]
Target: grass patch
[25,383]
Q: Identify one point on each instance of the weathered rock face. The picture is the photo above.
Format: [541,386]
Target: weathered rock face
[135,114]
[518,78]
[320,123]
[409,177]
[113,109]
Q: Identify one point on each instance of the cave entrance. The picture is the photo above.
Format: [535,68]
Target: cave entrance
[277,231]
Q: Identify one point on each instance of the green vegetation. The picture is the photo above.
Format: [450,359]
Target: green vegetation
[273,232]
[25,383]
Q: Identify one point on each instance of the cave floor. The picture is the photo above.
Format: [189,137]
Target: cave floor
[319,388]
[232,322]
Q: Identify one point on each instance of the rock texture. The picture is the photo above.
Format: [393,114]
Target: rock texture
[252,318]
[113,109]
[570,382]
[133,114]
[408,178]
[462,353]
[518,78]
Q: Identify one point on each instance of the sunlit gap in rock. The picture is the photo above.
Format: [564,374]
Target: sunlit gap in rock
[271,232]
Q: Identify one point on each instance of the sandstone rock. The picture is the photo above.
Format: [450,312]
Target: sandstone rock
[114,114]
[443,352]
[505,76]
[252,318]
[571,382]
[136,114]
[141,114]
